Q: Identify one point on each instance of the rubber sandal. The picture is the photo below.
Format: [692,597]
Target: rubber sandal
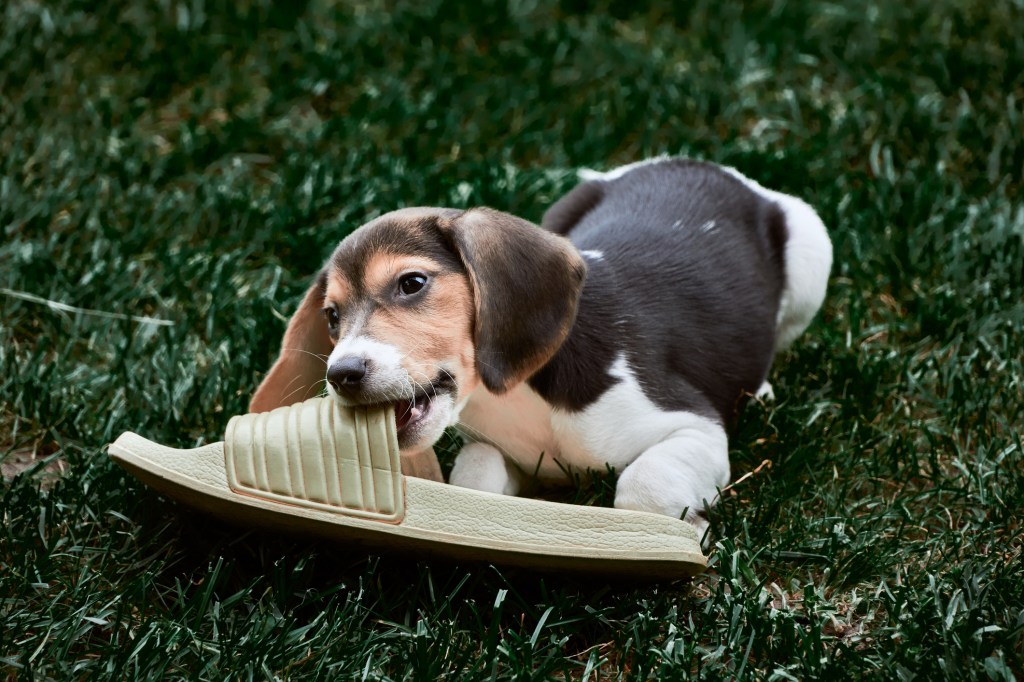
[321,469]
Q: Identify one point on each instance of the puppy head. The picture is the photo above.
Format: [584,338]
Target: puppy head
[420,306]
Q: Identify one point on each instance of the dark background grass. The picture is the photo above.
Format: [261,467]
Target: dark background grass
[195,161]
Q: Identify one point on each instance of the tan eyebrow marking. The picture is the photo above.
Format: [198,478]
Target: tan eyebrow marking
[338,288]
[382,269]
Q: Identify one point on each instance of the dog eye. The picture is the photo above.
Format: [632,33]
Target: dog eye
[410,284]
[333,319]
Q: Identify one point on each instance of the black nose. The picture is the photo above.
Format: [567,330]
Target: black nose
[347,373]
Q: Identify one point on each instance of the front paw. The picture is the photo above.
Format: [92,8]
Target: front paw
[482,467]
[659,488]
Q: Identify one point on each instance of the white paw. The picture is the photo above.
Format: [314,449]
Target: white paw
[765,393]
[661,487]
[482,467]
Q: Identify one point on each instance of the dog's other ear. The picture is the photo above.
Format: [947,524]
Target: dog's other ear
[570,209]
[526,285]
[302,364]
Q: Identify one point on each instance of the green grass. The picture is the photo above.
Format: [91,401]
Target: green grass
[196,161]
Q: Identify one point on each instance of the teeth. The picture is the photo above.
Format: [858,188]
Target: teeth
[409,411]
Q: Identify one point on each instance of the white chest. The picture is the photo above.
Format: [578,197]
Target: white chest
[519,424]
[545,441]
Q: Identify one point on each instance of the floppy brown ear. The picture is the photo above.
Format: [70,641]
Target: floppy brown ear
[526,286]
[299,371]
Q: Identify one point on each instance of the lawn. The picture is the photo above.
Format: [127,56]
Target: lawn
[183,167]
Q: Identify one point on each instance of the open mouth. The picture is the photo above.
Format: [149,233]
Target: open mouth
[410,412]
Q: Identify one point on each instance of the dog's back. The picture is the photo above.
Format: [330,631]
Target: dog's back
[693,262]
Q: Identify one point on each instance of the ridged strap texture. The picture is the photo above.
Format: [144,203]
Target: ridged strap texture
[319,455]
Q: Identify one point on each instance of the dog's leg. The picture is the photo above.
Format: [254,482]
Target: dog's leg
[482,467]
[682,473]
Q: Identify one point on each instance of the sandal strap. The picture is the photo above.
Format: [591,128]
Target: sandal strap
[320,455]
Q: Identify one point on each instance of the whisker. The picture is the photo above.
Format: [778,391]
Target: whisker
[318,356]
[469,430]
[300,388]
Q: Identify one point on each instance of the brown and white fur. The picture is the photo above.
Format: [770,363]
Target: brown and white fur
[626,334]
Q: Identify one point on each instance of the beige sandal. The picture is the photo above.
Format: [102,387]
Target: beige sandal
[335,472]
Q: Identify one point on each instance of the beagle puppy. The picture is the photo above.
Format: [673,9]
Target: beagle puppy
[626,333]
